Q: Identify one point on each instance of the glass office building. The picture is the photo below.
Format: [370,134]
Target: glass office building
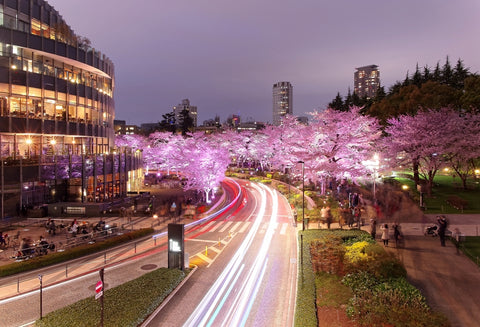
[56,112]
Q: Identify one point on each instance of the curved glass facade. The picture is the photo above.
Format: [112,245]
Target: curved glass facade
[56,102]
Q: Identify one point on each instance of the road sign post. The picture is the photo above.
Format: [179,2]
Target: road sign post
[176,246]
[99,290]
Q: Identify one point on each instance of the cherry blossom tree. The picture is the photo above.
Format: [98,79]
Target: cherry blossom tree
[205,164]
[463,146]
[427,140]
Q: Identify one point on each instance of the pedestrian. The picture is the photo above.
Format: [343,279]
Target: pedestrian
[50,225]
[325,216]
[74,228]
[396,233]
[442,223]
[2,240]
[373,227]
[385,235]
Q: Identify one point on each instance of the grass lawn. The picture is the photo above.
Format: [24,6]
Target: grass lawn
[471,247]
[445,186]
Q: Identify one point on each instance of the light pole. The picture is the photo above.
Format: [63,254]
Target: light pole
[303,194]
[40,279]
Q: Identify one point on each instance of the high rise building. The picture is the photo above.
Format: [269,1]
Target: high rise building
[56,113]
[191,109]
[366,81]
[282,101]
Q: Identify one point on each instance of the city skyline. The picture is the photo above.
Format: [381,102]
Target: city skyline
[224,57]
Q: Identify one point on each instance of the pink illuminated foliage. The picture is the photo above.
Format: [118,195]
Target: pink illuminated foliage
[431,139]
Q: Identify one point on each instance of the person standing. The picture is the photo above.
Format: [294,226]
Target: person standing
[396,233]
[385,235]
[442,223]
[373,227]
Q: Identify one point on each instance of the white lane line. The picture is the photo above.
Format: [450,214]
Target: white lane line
[214,249]
[220,223]
[225,226]
[283,231]
[204,258]
[234,228]
[207,226]
[244,227]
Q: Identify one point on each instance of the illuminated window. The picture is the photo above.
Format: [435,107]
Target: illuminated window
[36,27]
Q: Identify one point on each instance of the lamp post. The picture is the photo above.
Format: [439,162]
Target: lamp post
[40,279]
[303,194]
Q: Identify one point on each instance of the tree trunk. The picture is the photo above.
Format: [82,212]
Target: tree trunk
[416,176]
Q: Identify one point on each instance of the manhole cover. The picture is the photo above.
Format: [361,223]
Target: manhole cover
[148,267]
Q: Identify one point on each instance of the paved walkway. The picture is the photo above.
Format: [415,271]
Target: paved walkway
[449,280]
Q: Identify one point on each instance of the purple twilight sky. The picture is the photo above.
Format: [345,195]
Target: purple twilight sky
[226,55]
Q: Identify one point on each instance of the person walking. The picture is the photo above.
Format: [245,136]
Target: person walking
[442,223]
[385,235]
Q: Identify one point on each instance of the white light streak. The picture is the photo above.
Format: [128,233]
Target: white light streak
[208,311]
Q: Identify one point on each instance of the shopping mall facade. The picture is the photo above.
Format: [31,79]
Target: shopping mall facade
[56,114]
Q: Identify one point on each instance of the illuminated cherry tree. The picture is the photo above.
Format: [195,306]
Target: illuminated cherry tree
[463,147]
[432,138]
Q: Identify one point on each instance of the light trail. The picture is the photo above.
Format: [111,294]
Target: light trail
[208,311]
[213,215]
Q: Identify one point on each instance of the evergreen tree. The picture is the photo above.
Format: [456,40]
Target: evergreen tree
[348,101]
[356,101]
[417,77]
[168,123]
[186,121]
[427,74]
[447,73]
[337,103]
[437,73]
[460,73]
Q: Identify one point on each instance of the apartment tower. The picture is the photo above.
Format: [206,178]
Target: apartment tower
[282,101]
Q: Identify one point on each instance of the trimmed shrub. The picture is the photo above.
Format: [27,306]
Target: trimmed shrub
[73,253]
[128,304]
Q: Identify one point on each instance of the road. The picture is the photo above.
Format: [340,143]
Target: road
[253,281]
[250,237]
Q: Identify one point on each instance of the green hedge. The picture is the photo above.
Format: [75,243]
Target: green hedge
[73,253]
[305,309]
[126,305]
[381,294]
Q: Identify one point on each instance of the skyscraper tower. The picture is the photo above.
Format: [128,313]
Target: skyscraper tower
[186,105]
[366,81]
[282,101]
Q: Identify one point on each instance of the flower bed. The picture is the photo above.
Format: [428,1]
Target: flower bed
[379,294]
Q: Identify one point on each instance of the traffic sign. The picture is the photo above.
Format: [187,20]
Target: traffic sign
[99,286]
[98,295]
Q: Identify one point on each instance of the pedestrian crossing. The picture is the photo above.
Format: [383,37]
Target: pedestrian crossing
[229,229]
[241,227]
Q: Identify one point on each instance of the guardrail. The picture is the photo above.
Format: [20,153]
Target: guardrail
[27,282]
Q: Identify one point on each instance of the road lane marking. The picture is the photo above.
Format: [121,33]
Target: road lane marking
[227,225]
[207,226]
[234,228]
[214,249]
[244,227]
[204,258]
[220,223]
[283,231]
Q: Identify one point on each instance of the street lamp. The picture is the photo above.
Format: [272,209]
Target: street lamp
[303,194]
[40,279]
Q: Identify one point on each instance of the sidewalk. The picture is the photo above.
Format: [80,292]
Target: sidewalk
[449,281]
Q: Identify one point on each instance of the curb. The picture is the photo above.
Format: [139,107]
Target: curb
[167,299]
